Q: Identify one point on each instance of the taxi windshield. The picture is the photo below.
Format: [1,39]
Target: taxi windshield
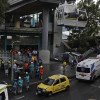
[48,81]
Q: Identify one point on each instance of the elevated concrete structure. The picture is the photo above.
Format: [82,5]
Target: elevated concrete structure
[50,42]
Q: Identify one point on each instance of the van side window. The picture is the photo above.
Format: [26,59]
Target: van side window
[2,96]
[63,79]
[56,82]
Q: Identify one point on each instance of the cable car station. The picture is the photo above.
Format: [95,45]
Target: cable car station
[46,35]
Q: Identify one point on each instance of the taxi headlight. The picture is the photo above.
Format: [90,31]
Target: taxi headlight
[43,90]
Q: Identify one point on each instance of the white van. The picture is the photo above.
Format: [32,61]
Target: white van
[3,92]
[88,69]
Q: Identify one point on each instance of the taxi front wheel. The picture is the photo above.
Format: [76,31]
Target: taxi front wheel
[67,87]
[50,94]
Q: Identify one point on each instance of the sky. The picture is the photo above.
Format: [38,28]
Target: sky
[80,0]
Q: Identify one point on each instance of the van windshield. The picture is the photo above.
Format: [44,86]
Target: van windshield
[82,69]
[48,81]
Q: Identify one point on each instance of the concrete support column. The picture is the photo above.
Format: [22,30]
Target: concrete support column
[45,29]
[44,54]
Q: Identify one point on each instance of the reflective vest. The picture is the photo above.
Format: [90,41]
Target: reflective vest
[27,78]
[20,82]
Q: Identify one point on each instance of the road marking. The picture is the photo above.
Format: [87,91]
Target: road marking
[93,85]
[91,99]
[20,97]
[98,86]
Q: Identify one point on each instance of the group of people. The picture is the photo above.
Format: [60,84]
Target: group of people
[18,84]
[27,52]
[34,68]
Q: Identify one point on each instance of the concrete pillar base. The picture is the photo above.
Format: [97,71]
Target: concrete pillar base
[45,56]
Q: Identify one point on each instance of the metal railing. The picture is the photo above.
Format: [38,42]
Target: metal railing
[12,2]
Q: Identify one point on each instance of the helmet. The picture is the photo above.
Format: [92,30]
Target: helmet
[19,77]
[31,62]
[41,66]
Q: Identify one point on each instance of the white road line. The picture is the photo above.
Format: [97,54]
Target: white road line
[93,85]
[91,99]
[20,97]
[98,86]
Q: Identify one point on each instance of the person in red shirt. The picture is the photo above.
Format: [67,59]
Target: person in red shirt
[28,51]
[15,52]
[41,71]
[26,67]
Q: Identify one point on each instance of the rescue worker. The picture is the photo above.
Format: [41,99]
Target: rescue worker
[27,80]
[41,72]
[64,65]
[20,85]
[15,86]
[31,67]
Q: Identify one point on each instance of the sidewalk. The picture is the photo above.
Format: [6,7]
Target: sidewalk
[49,69]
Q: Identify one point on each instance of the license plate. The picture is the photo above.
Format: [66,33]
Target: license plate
[82,75]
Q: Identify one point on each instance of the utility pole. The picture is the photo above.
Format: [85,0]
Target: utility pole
[12,61]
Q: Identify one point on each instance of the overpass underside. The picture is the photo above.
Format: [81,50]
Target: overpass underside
[26,7]
[46,41]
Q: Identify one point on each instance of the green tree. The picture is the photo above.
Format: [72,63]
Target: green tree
[3,7]
[85,38]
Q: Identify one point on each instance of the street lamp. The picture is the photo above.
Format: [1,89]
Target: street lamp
[12,75]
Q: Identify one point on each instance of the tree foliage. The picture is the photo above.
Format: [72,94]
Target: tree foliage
[85,38]
[3,7]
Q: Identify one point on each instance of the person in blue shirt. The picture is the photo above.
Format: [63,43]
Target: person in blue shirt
[27,80]
[31,67]
[15,86]
[20,85]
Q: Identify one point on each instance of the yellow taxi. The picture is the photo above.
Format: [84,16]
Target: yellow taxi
[53,84]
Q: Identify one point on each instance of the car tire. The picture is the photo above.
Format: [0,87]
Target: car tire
[50,94]
[67,87]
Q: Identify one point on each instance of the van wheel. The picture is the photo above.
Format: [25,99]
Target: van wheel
[50,94]
[94,78]
[67,87]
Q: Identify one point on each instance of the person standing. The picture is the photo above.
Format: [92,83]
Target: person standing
[27,80]
[15,86]
[64,65]
[41,72]
[20,85]
[14,69]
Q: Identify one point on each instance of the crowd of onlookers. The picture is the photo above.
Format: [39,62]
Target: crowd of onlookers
[28,70]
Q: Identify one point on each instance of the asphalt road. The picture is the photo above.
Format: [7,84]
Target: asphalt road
[79,90]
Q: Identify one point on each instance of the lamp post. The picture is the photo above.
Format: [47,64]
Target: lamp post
[12,75]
